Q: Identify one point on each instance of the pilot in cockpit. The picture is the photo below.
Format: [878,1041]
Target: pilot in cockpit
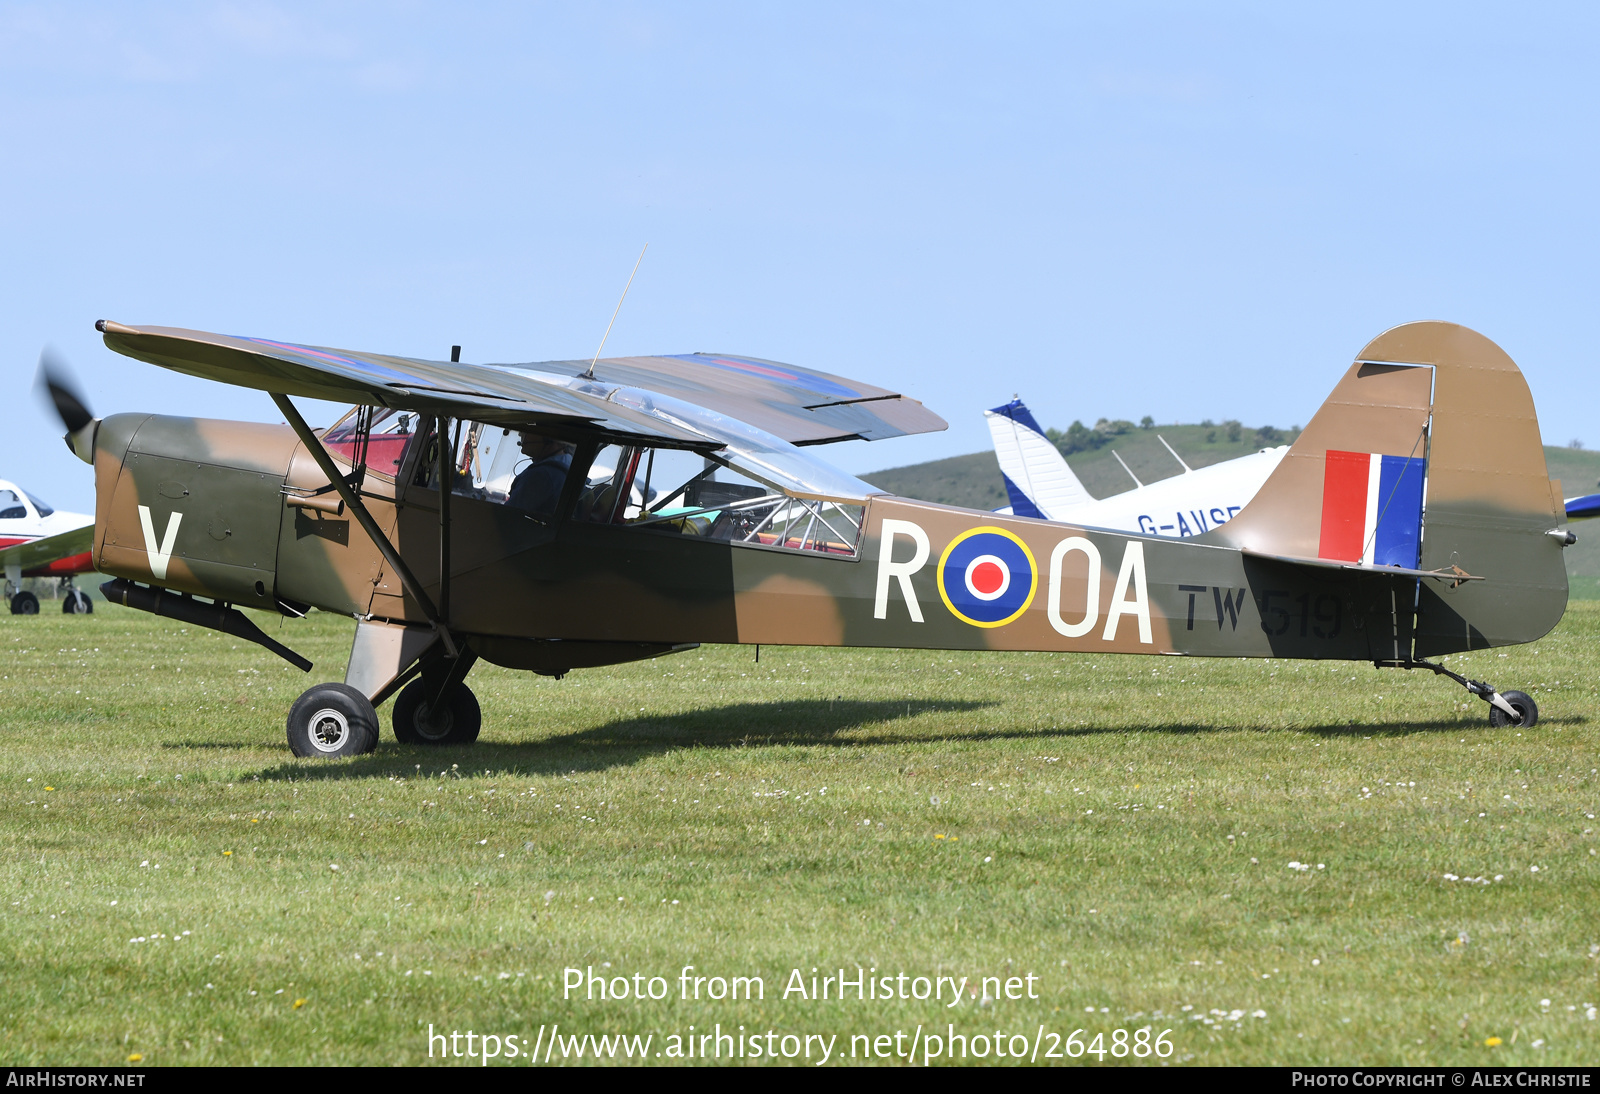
[537,488]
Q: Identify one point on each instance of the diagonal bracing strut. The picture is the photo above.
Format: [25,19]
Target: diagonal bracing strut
[368,524]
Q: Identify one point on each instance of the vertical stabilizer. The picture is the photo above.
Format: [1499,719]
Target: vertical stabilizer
[1426,456]
[1038,480]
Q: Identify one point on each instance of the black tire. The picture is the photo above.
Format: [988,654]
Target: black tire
[24,603]
[76,602]
[331,721]
[459,724]
[1523,703]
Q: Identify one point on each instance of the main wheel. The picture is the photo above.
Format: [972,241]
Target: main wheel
[77,602]
[331,721]
[456,724]
[1524,705]
[24,603]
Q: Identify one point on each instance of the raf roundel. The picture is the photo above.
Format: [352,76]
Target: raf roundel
[987,577]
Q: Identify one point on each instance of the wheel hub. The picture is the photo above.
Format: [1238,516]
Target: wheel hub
[434,724]
[329,730]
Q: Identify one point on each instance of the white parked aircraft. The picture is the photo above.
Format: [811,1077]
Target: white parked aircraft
[1040,484]
[38,541]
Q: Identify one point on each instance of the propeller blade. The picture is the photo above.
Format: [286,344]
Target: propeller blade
[57,379]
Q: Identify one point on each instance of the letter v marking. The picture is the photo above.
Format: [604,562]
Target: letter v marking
[159,556]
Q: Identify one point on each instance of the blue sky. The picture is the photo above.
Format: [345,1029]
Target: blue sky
[1181,210]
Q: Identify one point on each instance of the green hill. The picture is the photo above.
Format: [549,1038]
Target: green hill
[1579,472]
[973,481]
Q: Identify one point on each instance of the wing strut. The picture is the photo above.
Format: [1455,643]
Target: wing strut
[446,483]
[368,524]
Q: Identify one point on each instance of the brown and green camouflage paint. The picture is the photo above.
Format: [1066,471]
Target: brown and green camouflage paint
[1252,587]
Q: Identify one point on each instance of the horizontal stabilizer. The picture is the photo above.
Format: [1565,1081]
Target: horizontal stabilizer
[1384,571]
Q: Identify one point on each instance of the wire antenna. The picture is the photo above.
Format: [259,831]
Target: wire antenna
[1186,468]
[1128,469]
[589,372]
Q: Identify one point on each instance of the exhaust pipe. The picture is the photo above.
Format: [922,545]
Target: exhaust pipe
[215,616]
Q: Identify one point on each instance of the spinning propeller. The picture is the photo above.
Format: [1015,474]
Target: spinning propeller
[56,378]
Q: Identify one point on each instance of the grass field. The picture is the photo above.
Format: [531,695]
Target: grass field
[1120,828]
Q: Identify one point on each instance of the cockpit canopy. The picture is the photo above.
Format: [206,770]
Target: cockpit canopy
[14,502]
[756,491]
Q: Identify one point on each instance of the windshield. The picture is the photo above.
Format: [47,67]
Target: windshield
[392,430]
[44,510]
[682,492]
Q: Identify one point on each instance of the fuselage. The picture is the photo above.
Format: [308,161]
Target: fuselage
[229,510]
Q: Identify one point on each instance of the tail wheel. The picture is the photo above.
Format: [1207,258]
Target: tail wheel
[24,603]
[457,722]
[331,721]
[1524,705]
[77,602]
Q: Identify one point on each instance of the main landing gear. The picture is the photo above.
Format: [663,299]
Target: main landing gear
[435,706]
[454,721]
[331,721]
[1506,708]
[73,601]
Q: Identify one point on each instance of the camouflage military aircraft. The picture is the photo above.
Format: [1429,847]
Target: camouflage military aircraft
[562,515]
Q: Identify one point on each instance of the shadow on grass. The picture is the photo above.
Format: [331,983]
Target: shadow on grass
[626,741]
[1434,725]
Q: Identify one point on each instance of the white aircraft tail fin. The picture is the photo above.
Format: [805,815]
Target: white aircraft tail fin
[1038,480]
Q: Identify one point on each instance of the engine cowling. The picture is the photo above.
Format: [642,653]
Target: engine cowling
[191,504]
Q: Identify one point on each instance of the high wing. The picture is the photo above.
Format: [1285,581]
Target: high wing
[798,405]
[47,549]
[753,413]
[803,406]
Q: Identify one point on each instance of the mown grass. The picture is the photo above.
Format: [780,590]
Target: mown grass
[1121,827]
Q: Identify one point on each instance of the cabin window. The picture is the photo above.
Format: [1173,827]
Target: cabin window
[11,507]
[685,493]
[611,491]
[524,469]
[662,490]
[392,432]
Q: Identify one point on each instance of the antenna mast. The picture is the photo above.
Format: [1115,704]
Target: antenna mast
[588,373]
